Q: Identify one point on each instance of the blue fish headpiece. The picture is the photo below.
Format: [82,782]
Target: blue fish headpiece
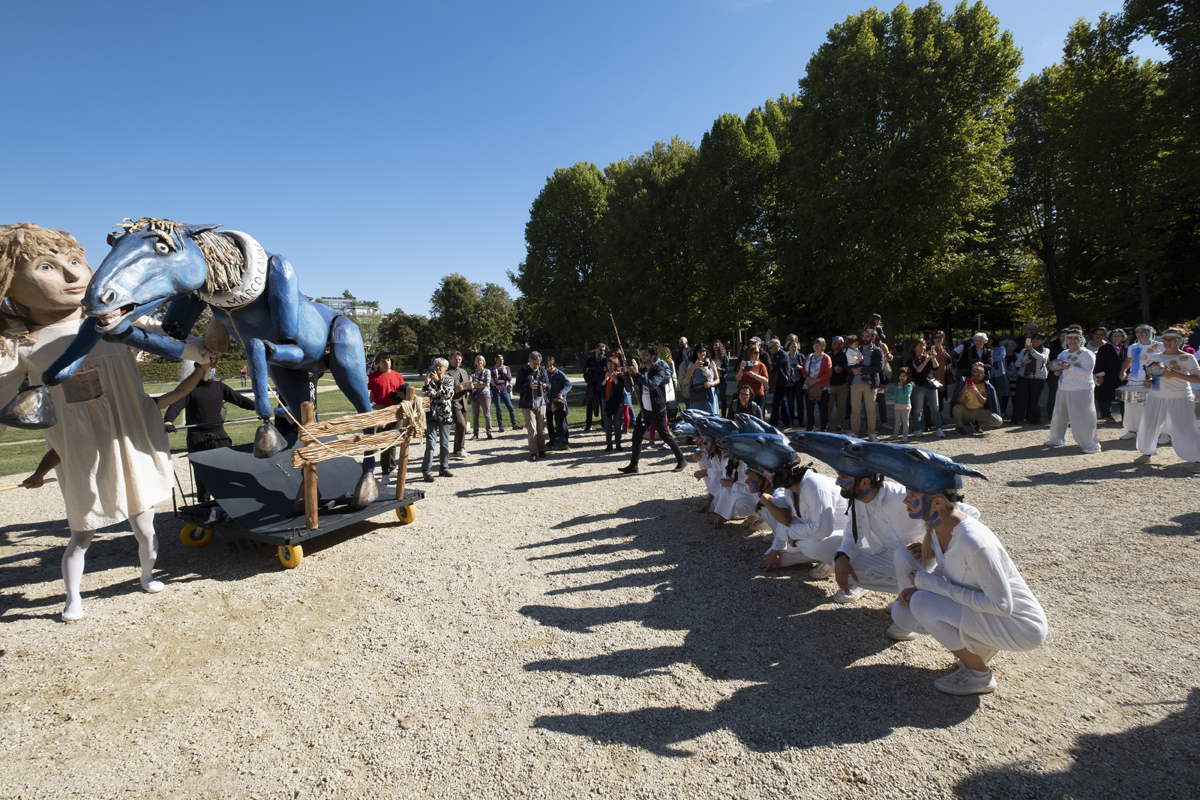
[748,423]
[714,427]
[761,453]
[918,470]
[828,447]
[683,429]
[691,415]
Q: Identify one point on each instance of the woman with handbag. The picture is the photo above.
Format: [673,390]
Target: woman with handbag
[818,368]
[924,366]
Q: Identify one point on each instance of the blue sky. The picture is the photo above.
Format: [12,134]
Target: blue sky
[380,146]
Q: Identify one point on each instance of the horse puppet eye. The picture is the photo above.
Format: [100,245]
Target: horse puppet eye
[161,248]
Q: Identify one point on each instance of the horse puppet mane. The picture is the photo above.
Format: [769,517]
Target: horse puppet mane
[225,261]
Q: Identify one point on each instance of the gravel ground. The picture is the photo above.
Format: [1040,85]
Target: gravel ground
[560,630]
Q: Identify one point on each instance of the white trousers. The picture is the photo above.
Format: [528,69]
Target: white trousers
[1131,418]
[876,572]
[808,551]
[731,503]
[1076,407]
[1178,416]
[934,615]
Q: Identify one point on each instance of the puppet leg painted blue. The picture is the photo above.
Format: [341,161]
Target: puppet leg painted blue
[182,314]
[283,298]
[350,372]
[267,439]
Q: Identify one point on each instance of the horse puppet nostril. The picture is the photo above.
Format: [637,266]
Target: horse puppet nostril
[108,297]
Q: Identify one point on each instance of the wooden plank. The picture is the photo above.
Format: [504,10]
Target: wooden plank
[349,424]
[310,475]
[347,448]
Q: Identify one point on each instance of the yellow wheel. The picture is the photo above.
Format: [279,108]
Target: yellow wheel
[290,555]
[406,514]
[195,536]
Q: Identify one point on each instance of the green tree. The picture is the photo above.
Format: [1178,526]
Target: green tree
[560,278]
[898,162]
[648,274]
[455,306]
[497,316]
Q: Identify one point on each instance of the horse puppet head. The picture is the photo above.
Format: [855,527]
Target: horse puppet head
[153,262]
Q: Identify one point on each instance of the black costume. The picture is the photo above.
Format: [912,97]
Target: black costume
[205,407]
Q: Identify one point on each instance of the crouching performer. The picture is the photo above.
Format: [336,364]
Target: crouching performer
[960,586]
[115,464]
[807,515]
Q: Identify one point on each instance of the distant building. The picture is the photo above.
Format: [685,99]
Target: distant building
[349,307]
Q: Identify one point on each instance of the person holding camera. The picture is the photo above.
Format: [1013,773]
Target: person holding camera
[386,386]
[556,418]
[651,388]
[923,365]
[502,379]
[1031,379]
[701,380]
[976,403]
[439,388]
[462,394]
[533,383]
[593,379]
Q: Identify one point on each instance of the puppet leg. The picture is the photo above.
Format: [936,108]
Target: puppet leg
[283,298]
[72,572]
[143,531]
[267,439]
[181,316]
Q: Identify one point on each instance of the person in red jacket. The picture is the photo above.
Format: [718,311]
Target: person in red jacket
[387,388]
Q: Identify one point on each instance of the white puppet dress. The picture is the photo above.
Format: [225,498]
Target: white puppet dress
[115,455]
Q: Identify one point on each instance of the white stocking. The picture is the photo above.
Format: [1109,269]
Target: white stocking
[143,531]
[72,572]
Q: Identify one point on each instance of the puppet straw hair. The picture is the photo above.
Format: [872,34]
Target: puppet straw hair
[226,263]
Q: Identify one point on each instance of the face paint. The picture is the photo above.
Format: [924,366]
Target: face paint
[844,481]
[753,484]
[919,509]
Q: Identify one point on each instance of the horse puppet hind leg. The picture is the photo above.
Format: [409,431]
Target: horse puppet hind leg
[267,439]
[350,372]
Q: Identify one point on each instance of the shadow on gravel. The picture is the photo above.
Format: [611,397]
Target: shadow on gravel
[778,633]
[1184,525]
[1151,761]
[225,559]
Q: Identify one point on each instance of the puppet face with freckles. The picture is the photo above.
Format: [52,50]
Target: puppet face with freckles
[51,285]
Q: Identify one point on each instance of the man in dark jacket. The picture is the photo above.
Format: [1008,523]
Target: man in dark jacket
[462,395]
[650,386]
[556,417]
[533,382]
[593,376]
[205,407]
[781,368]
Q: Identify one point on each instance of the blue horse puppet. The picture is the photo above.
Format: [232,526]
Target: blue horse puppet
[254,294]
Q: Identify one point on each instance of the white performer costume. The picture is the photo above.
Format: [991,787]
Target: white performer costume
[116,463]
[818,516]
[1171,402]
[732,502]
[884,527]
[1075,404]
[1138,355]
[974,597]
[715,466]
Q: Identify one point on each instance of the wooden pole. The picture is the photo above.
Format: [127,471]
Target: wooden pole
[307,417]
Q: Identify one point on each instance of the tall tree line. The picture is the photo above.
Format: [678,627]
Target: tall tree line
[913,175]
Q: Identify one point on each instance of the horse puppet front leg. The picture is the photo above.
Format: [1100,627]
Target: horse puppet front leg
[349,371]
[267,439]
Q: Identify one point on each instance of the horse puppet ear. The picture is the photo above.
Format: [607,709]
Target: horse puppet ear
[191,231]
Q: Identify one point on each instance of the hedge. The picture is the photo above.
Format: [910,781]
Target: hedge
[173,371]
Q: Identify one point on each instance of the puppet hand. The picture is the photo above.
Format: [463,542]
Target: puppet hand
[906,596]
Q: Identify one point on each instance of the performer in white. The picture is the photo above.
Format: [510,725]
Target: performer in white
[1132,371]
[1076,403]
[967,594]
[807,514]
[710,463]
[1171,400]
[879,526]
[733,499]
[115,463]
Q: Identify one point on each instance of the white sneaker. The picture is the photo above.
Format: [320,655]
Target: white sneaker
[1142,459]
[1164,438]
[941,434]
[873,438]
[964,682]
[899,634]
[918,433]
[1127,435]
[393,475]
[820,572]
[855,593]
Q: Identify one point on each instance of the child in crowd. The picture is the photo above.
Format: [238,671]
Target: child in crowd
[904,389]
